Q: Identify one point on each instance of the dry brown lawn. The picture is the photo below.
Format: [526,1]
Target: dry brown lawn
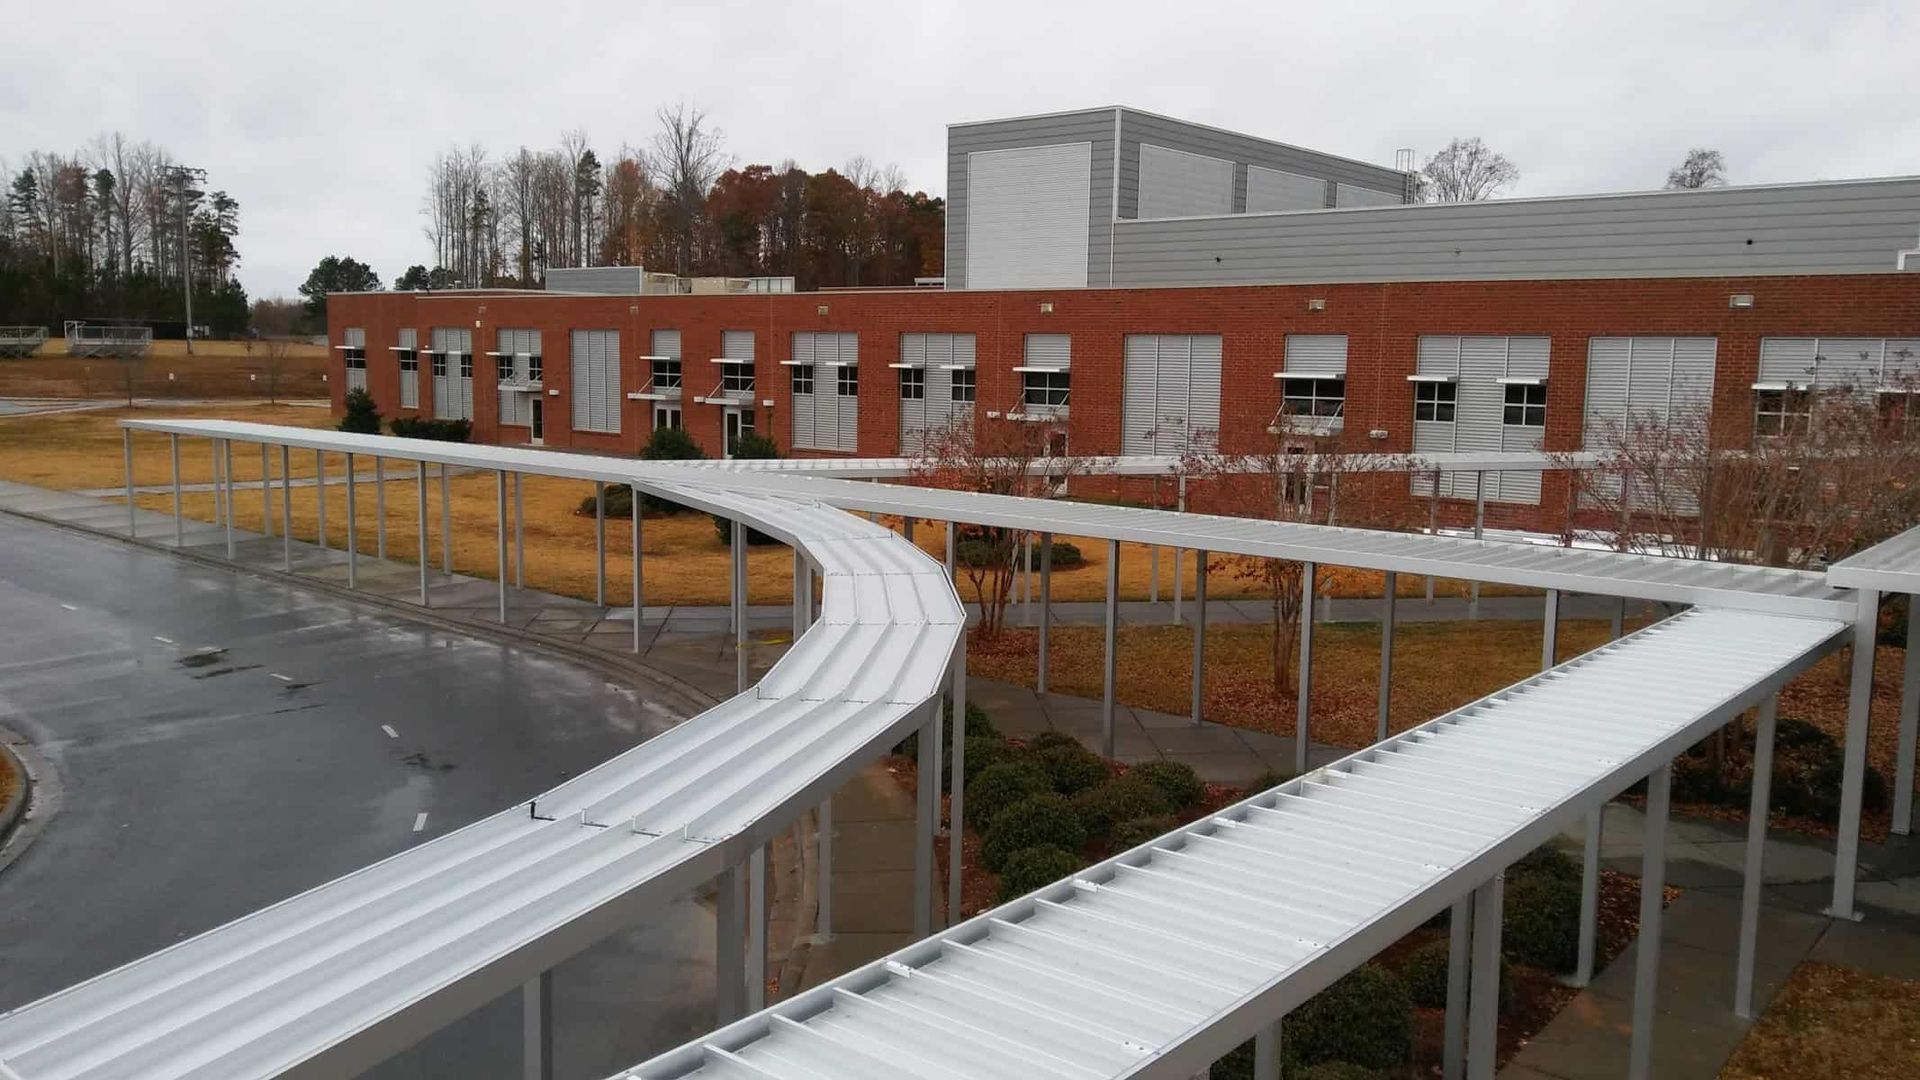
[79,451]
[217,369]
[1834,1022]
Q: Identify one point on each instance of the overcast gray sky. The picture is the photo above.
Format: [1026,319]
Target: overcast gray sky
[321,119]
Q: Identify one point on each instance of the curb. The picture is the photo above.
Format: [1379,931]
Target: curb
[607,663]
[15,807]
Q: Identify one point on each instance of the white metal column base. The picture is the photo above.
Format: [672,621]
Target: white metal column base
[1459,962]
[1589,897]
[1483,999]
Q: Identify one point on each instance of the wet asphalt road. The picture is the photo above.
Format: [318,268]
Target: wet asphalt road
[199,785]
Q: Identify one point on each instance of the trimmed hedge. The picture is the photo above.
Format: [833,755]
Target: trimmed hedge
[1541,921]
[414,427]
[1176,778]
[977,725]
[1807,767]
[999,786]
[1548,861]
[976,551]
[1031,822]
[1133,832]
[1121,799]
[666,444]
[1035,867]
[1425,973]
[1072,768]
[1366,1018]
[1335,1070]
[361,416]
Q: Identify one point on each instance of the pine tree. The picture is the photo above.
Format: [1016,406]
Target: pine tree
[361,417]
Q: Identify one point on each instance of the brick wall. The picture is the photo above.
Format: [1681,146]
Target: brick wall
[1383,323]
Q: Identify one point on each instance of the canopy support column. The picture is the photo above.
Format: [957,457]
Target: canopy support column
[266,492]
[1046,609]
[319,499]
[536,1027]
[1199,633]
[425,553]
[1909,726]
[599,544]
[126,454]
[1179,554]
[379,508]
[179,523]
[957,798]
[520,532]
[1459,942]
[1483,1001]
[1846,853]
[1646,970]
[286,509]
[226,485]
[926,808]
[1589,896]
[1755,868]
[446,522]
[500,539]
[823,843]
[1387,599]
[1550,630]
[729,946]
[353,537]
[1266,1052]
[739,602]
[1302,717]
[1479,530]
[756,981]
[1110,658]
[639,593]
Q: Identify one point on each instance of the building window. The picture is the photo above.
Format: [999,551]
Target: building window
[666,416]
[1314,397]
[737,379]
[439,365]
[1045,388]
[409,361]
[1526,406]
[913,384]
[666,374]
[1434,401]
[534,368]
[466,365]
[963,384]
[803,378]
[1781,411]
[847,381]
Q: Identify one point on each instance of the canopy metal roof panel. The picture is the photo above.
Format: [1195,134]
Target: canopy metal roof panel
[1162,959]
[1650,577]
[1448,461]
[340,977]
[1890,566]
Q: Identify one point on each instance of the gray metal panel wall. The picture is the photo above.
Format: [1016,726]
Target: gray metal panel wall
[1316,354]
[1842,227]
[596,380]
[1861,363]
[1095,126]
[1027,216]
[1139,127]
[1180,183]
[1171,397]
[614,280]
[1048,350]
[1275,189]
[736,344]
[1356,195]
[665,343]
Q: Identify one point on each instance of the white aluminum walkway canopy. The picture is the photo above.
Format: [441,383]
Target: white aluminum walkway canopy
[1573,570]
[1892,566]
[1159,961]
[338,978]
[1446,461]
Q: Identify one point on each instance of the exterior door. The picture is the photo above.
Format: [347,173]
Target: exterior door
[737,422]
[538,419]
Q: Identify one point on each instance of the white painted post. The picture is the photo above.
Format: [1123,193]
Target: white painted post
[1550,630]
[520,532]
[1459,961]
[353,536]
[823,843]
[1302,713]
[536,1027]
[1620,617]
[739,603]
[1483,998]
[1179,554]
[1589,897]
[1387,601]
[1646,970]
[213,446]
[1909,725]
[1199,633]
[1266,1052]
[179,523]
[266,493]
[757,929]
[956,810]
[286,509]
[500,539]
[446,522]
[1755,868]
[1110,664]
[126,453]
[425,552]
[1046,610]
[599,543]
[1846,852]
[1153,573]
[639,592]
[1479,530]
[729,946]
[1433,522]
[226,483]
[319,498]
[379,507]
[927,793]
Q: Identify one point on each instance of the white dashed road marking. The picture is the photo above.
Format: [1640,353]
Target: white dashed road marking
[163,640]
[282,678]
[69,607]
[388,728]
[420,821]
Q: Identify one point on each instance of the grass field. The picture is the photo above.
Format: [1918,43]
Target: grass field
[217,369]
[81,450]
[1834,1022]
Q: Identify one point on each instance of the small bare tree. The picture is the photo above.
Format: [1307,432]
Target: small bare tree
[1299,481]
[685,158]
[273,361]
[1023,457]
[1466,171]
[1703,168]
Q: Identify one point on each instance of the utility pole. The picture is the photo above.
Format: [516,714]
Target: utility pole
[183,177]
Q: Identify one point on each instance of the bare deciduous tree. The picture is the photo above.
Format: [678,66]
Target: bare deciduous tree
[1703,168]
[998,457]
[273,365]
[1466,171]
[685,158]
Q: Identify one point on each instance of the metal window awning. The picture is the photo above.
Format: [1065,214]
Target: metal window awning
[667,359]
[1338,374]
[1780,385]
[1162,959]
[961,367]
[729,360]
[1521,380]
[910,365]
[1044,369]
[1433,378]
